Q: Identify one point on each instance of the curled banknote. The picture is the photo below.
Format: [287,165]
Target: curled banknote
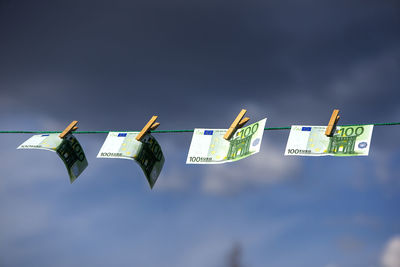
[68,149]
[208,146]
[147,152]
[312,141]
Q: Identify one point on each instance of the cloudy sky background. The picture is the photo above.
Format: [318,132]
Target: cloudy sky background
[113,64]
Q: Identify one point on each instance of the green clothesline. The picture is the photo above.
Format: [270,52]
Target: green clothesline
[181,131]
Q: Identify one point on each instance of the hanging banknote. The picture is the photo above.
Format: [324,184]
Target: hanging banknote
[147,152]
[312,141]
[208,146]
[68,149]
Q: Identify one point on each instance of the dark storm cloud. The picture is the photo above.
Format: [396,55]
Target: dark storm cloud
[109,58]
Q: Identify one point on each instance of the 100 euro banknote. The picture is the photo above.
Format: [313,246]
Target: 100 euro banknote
[68,149]
[312,141]
[208,146]
[147,152]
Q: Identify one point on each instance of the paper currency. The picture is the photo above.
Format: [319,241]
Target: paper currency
[312,141]
[68,149]
[147,153]
[208,146]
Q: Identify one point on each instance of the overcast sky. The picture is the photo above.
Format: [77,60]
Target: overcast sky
[111,65]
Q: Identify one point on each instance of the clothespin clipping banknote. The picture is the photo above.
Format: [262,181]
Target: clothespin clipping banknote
[330,130]
[238,123]
[71,127]
[151,125]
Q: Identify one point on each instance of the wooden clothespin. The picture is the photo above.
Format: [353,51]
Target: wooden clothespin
[151,125]
[330,130]
[236,124]
[71,127]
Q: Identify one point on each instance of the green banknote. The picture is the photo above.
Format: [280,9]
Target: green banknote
[147,153]
[312,141]
[209,147]
[68,149]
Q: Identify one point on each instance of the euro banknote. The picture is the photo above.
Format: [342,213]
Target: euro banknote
[312,141]
[147,152]
[68,149]
[209,147]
